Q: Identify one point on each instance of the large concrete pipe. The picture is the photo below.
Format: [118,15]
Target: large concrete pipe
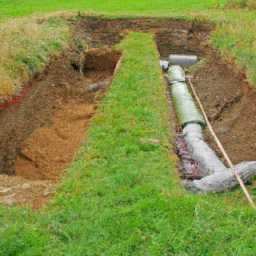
[216,177]
[222,181]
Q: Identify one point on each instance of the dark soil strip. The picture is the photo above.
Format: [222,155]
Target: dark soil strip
[172,37]
[188,167]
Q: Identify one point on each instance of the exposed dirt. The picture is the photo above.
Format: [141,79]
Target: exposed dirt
[172,37]
[230,109]
[40,135]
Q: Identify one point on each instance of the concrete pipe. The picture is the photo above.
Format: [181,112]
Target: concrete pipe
[182,60]
[222,181]
[205,157]
[185,106]
[176,74]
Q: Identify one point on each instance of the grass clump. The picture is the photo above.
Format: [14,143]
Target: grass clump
[241,4]
[26,47]
[236,40]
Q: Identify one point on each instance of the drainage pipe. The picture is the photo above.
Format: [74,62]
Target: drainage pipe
[185,106]
[205,157]
[176,74]
[182,60]
[218,178]
[222,181]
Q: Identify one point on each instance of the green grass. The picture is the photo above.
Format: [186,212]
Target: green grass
[236,39]
[24,7]
[122,197]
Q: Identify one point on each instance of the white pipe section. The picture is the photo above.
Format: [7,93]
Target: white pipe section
[219,182]
[182,60]
[216,177]
[208,162]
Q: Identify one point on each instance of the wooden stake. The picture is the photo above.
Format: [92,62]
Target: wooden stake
[221,147]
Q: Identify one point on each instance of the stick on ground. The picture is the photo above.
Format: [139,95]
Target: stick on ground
[221,147]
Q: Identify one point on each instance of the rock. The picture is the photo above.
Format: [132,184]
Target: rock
[97,86]
[165,65]
[153,141]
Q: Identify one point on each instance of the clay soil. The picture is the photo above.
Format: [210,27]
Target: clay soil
[41,135]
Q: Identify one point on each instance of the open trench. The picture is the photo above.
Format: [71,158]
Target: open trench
[40,135]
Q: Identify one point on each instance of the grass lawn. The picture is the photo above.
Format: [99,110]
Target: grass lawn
[128,7]
[122,197]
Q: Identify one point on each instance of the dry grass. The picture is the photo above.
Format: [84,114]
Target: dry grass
[26,47]
[241,4]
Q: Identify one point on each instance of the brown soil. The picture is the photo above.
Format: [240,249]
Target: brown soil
[172,37]
[230,109]
[40,135]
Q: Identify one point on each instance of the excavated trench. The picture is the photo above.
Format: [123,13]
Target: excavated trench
[41,134]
